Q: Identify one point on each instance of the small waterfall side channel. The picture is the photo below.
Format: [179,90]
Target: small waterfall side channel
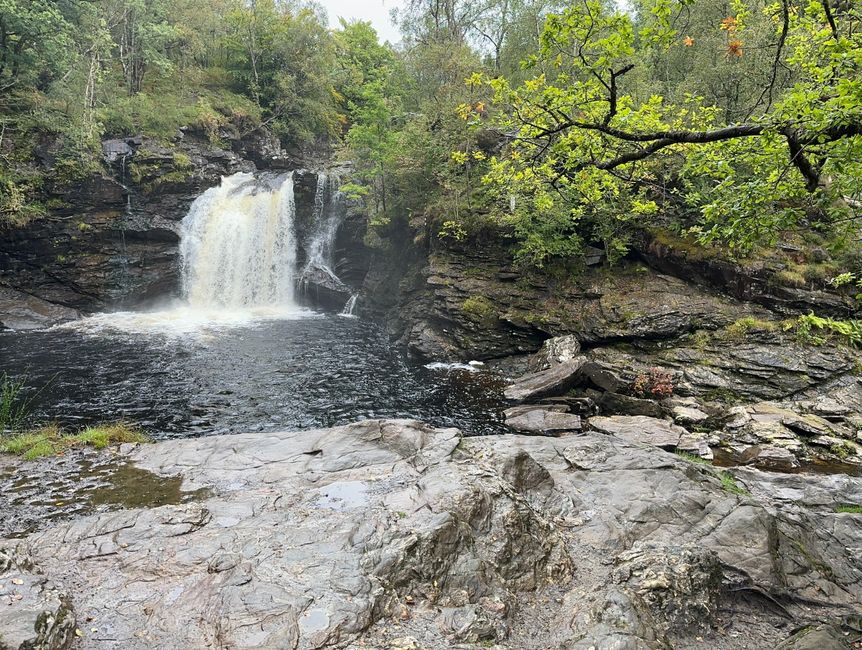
[319,278]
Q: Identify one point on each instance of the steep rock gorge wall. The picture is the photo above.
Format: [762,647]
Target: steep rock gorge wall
[471,301]
[474,303]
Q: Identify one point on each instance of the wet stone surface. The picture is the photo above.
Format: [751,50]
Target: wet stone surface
[394,534]
[41,493]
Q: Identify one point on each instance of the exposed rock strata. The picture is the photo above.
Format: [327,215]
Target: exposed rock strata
[393,534]
[465,306]
[19,311]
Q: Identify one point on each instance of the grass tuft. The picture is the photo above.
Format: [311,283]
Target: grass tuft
[692,458]
[739,330]
[51,441]
[849,508]
[728,482]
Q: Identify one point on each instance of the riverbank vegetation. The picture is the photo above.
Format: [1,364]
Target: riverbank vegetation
[556,127]
[51,440]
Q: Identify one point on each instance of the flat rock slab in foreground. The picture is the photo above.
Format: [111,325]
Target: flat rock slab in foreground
[391,534]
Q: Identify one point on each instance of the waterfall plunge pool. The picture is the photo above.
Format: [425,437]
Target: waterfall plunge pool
[176,373]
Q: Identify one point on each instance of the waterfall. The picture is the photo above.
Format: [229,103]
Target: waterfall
[238,245]
[327,219]
[350,306]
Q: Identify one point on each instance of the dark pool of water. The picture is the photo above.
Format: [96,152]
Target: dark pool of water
[276,375]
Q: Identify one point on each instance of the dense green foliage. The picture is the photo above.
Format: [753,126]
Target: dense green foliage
[762,141]
[546,125]
[731,125]
[75,71]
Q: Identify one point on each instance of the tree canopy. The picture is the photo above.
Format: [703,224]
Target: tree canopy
[553,125]
[589,131]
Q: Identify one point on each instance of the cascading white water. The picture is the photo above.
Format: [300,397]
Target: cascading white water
[238,245]
[238,250]
[327,219]
[350,306]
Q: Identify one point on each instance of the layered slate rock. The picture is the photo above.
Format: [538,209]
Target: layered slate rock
[547,383]
[20,311]
[542,420]
[34,613]
[474,304]
[779,436]
[391,534]
[821,637]
[743,370]
[641,428]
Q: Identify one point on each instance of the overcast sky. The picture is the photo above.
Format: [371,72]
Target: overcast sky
[377,11]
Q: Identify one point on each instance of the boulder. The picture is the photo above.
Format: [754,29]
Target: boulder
[555,351]
[681,585]
[639,428]
[547,383]
[516,411]
[688,415]
[617,404]
[324,288]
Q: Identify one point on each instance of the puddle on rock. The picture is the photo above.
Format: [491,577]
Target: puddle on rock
[314,620]
[343,495]
[36,494]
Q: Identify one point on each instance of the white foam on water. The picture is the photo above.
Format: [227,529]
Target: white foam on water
[446,367]
[184,320]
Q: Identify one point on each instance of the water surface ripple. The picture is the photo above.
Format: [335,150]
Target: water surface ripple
[309,372]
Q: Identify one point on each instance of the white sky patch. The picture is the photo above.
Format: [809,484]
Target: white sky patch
[375,11]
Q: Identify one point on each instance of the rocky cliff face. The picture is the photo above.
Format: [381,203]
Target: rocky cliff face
[461,305]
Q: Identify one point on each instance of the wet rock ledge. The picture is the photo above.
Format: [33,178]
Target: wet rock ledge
[392,534]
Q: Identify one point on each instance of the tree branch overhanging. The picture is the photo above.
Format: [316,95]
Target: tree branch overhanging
[654,142]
